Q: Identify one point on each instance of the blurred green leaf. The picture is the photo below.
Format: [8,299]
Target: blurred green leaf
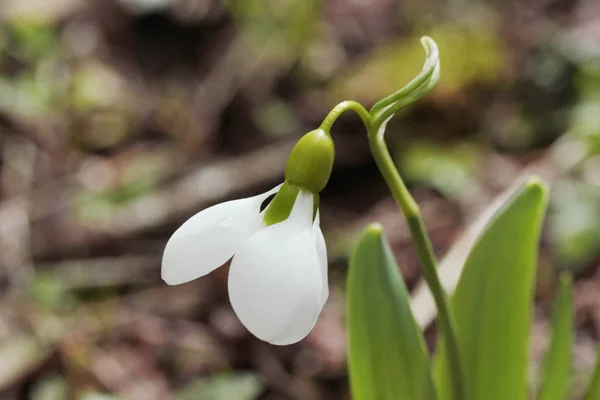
[138,175]
[19,355]
[33,39]
[52,388]
[97,86]
[493,301]
[448,168]
[585,124]
[593,389]
[470,52]
[49,291]
[36,86]
[292,20]
[387,354]
[30,94]
[574,222]
[585,116]
[239,386]
[276,119]
[91,207]
[587,79]
[97,396]
[556,379]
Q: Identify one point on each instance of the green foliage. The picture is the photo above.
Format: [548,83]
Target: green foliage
[585,116]
[20,353]
[493,302]
[37,86]
[585,124]
[33,40]
[593,390]
[277,119]
[223,387]
[557,367]
[387,354]
[98,396]
[449,168]
[97,86]
[52,388]
[471,53]
[482,348]
[116,186]
[49,291]
[292,20]
[575,223]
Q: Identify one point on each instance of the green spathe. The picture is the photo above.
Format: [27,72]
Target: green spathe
[311,160]
[280,208]
[281,205]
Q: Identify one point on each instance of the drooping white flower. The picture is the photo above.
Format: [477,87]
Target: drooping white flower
[278,276]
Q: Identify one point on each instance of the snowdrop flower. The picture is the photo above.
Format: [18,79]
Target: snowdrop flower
[278,276]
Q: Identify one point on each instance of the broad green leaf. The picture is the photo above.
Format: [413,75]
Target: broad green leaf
[387,354]
[493,301]
[593,389]
[556,379]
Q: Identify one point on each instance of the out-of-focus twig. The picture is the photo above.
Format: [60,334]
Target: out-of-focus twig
[236,67]
[102,272]
[48,10]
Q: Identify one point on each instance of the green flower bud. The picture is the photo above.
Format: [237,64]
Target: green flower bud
[311,160]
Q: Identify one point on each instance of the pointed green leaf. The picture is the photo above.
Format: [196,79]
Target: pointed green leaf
[387,355]
[493,301]
[593,389]
[556,379]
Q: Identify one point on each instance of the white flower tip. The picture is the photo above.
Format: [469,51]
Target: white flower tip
[170,279]
[208,239]
[289,342]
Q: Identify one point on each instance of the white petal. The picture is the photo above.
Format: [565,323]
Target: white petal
[208,239]
[322,251]
[275,279]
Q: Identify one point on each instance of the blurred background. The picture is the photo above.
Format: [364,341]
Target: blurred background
[119,119]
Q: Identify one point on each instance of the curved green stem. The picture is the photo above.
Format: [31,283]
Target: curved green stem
[427,258]
[340,109]
[375,122]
